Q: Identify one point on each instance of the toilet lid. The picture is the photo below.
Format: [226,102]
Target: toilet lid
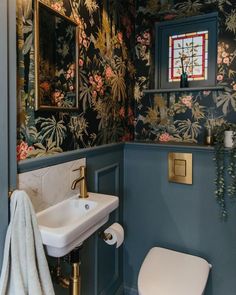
[167,272]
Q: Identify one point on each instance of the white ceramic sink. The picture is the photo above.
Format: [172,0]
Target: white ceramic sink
[67,224]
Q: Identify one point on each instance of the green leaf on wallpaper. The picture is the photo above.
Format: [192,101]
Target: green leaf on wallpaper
[231,21]
[29,134]
[118,87]
[86,96]
[27,44]
[27,29]
[41,150]
[188,128]
[225,101]
[51,129]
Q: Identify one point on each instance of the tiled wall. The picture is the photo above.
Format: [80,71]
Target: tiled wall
[50,185]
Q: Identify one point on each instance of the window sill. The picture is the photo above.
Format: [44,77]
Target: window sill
[204,88]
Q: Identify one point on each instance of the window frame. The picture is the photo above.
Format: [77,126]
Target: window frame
[163,30]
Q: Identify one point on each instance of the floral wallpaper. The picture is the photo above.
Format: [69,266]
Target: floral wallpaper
[182,117]
[106,80]
[116,64]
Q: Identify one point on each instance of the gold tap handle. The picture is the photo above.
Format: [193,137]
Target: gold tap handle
[79,169]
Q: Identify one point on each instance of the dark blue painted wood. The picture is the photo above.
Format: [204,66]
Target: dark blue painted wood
[176,216]
[37,163]
[102,271]
[107,181]
[3,122]
[12,101]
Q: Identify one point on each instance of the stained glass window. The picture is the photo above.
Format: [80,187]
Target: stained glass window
[188,53]
[191,41]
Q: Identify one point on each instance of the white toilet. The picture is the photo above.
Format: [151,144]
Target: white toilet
[167,272]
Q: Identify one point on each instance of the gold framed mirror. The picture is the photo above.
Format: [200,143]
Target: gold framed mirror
[56,59]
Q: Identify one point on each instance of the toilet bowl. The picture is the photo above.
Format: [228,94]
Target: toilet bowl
[167,272]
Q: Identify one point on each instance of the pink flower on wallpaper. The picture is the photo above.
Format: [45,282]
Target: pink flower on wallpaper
[94,94]
[226,60]
[219,60]
[97,78]
[224,54]
[81,62]
[169,16]
[165,137]
[97,84]
[187,101]
[144,39]
[57,97]
[127,137]
[109,73]
[120,37]
[22,150]
[219,77]
[139,39]
[85,43]
[70,74]
[45,86]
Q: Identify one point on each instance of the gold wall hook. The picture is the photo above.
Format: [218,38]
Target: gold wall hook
[10,192]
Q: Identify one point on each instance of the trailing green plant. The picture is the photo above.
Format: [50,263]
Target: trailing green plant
[224,166]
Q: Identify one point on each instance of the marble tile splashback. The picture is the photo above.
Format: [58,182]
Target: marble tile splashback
[50,185]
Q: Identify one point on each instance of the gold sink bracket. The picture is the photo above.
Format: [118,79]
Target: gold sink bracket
[180,168]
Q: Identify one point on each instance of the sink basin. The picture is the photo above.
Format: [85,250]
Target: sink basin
[67,224]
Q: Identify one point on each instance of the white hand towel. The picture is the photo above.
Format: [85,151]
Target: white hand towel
[25,269]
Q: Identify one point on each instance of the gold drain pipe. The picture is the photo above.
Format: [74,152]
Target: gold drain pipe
[75,281]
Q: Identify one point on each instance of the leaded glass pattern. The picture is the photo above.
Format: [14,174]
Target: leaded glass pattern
[189,53]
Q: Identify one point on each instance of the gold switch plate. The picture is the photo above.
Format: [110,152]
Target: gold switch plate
[180,167]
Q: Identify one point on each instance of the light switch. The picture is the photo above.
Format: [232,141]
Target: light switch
[180,167]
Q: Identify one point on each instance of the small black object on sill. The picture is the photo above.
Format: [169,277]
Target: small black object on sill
[184,80]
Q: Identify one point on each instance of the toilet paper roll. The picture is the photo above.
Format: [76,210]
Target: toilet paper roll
[117,232]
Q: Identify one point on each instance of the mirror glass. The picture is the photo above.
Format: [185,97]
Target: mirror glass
[56,56]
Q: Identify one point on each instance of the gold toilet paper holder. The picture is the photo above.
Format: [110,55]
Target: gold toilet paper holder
[105,236]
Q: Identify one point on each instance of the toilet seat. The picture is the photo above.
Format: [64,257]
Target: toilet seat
[167,272]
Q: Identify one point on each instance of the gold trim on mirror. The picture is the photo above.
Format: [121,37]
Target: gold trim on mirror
[67,96]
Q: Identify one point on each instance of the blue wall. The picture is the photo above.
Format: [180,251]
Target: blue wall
[101,264]
[176,216]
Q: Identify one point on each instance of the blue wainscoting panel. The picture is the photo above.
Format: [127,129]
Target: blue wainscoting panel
[103,273]
[107,181]
[176,216]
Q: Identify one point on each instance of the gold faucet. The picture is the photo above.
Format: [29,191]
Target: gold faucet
[82,180]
